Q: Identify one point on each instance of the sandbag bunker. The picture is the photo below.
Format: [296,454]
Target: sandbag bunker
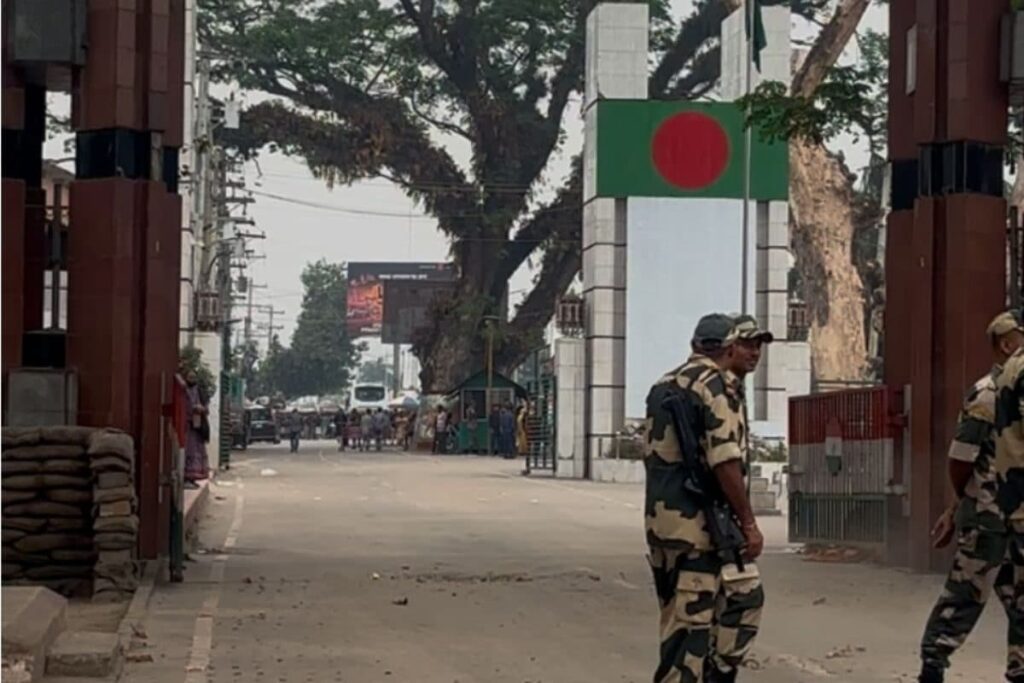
[70,519]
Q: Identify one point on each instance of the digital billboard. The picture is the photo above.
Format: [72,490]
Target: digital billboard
[411,284]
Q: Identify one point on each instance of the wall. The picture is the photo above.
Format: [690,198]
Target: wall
[570,369]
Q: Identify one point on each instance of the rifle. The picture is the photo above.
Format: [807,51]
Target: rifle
[700,482]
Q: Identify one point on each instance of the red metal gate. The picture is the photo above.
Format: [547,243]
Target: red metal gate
[844,473]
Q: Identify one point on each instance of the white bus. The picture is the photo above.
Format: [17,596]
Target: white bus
[370,396]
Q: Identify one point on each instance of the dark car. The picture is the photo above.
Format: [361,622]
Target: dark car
[262,426]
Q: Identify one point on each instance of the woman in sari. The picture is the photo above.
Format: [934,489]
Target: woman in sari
[198,432]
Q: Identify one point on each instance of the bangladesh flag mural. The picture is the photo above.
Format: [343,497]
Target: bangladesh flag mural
[648,148]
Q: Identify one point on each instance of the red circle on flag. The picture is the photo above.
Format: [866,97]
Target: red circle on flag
[690,150]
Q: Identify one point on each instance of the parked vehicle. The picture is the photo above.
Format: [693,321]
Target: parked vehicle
[262,426]
[370,396]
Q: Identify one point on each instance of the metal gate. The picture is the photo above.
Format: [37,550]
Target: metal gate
[841,466]
[540,425]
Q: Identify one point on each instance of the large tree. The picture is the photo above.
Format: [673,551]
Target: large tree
[375,88]
[387,88]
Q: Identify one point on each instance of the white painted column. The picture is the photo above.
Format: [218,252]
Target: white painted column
[616,68]
[785,367]
[187,168]
[570,376]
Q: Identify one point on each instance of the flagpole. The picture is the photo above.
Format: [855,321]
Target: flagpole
[748,7]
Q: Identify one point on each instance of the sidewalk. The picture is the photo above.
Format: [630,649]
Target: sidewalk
[366,567]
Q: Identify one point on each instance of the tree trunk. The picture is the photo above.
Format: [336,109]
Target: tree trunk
[822,221]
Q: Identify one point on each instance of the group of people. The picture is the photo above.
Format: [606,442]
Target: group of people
[371,429]
[703,564]
[506,430]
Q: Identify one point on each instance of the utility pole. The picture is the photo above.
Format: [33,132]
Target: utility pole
[271,327]
[248,314]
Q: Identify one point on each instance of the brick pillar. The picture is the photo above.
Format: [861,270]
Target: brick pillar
[946,252]
[12,203]
[124,256]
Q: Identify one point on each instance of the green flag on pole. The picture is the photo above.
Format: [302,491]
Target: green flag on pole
[753,7]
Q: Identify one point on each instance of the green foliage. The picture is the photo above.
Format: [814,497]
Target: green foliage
[852,99]
[190,359]
[321,357]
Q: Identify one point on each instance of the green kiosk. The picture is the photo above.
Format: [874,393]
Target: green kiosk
[473,393]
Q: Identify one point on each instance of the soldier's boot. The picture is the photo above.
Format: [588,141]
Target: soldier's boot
[931,674]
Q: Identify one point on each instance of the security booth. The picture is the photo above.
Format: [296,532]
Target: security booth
[474,392]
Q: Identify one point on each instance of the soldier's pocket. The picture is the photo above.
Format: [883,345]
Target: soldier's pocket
[695,598]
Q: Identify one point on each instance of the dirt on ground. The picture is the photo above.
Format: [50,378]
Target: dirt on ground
[364,568]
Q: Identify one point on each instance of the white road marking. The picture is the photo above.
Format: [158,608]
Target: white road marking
[202,634]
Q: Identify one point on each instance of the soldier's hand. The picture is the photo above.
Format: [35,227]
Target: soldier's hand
[942,532]
[755,542]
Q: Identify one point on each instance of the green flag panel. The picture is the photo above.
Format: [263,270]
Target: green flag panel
[650,148]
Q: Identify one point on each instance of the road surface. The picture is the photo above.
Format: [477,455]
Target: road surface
[363,568]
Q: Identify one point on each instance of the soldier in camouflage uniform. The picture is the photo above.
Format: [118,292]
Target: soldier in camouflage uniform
[1008,446]
[710,610]
[982,560]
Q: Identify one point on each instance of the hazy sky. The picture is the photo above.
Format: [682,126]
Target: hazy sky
[346,226]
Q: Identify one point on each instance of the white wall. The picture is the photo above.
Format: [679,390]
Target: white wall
[570,383]
[683,260]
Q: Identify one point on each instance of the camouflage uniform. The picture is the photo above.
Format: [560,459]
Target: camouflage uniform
[1009,469]
[710,611]
[981,558]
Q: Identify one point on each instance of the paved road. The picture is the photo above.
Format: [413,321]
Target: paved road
[363,568]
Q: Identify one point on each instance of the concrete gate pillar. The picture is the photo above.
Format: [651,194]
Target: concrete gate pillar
[785,369]
[945,241]
[616,68]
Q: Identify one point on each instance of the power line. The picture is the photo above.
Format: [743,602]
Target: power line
[409,216]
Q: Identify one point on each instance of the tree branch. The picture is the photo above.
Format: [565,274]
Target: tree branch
[829,46]
[366,143]
[524,331]
[705,23]
[705,72]
[446,126]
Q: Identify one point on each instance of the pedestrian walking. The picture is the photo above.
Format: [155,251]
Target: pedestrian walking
[440,431]
[340,428]
[197,464]
[472,425]
[710,595]
[984,558]
[366,429]
[494,429]
[381,422]
[295,424]
[354,429]
[522,440]
[507,432]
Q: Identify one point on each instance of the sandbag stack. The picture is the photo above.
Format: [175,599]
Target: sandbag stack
[69,511]
[115,524]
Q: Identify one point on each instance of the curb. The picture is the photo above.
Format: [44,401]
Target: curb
[195,506]
[139,606]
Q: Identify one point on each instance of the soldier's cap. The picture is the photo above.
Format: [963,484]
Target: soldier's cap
[746,328]
[714,330]
[1004,323]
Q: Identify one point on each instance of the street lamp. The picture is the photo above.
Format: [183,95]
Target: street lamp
[490,321]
